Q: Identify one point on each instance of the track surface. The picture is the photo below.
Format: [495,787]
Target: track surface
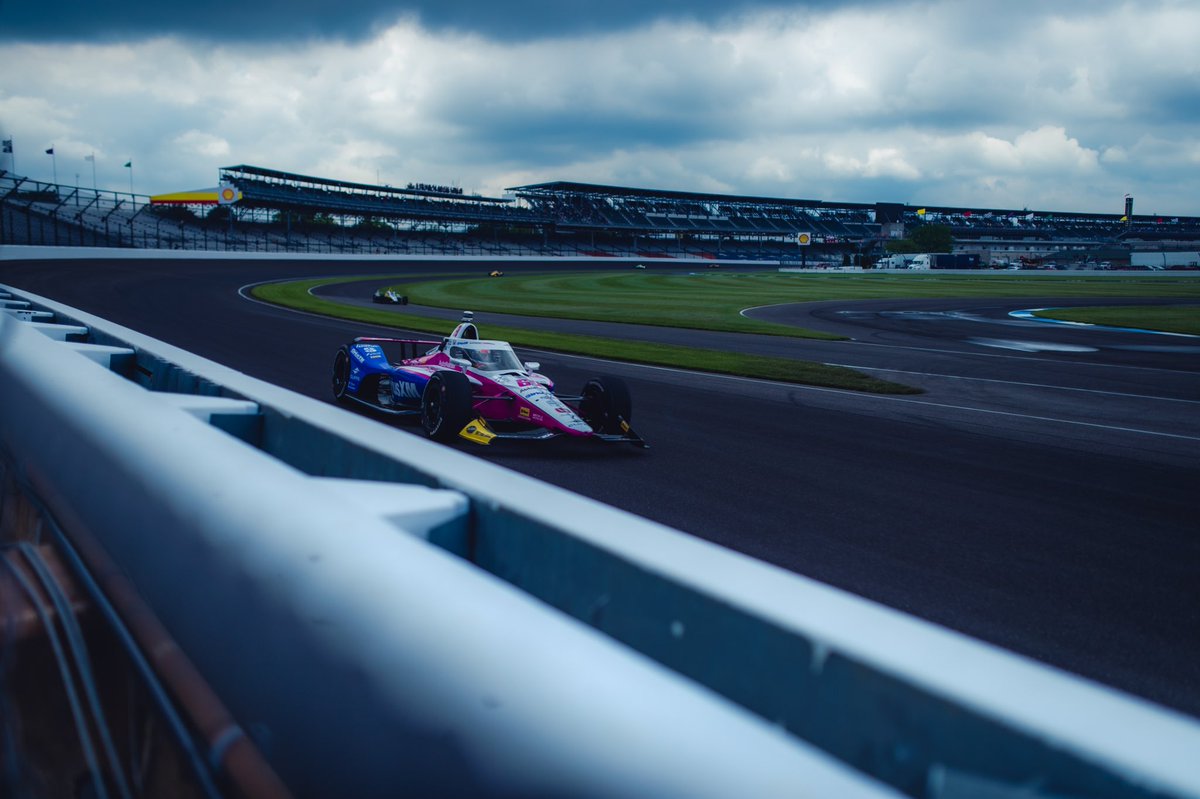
[1041,495]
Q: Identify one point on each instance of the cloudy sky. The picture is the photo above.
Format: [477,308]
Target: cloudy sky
[1017,104]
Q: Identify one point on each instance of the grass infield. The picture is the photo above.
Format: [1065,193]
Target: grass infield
[296,295]
[1169,319]
[709,300]
[713,300]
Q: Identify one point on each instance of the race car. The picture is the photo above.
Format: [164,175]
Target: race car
[389,297]
[477,389]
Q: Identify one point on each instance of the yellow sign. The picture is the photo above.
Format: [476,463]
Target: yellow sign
[477,431]
[804,239]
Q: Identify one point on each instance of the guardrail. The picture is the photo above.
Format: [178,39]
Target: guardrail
[389,613]
[23,252]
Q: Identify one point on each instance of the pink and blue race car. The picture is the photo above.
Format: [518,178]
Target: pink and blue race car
[467,387]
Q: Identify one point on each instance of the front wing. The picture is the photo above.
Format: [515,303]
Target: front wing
[480,432]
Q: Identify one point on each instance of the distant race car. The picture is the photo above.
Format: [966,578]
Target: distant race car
[390,297]
[495,273]
[477,389]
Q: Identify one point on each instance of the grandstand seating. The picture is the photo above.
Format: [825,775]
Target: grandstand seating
[295,213]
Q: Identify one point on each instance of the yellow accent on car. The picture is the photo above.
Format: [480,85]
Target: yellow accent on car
[477,431]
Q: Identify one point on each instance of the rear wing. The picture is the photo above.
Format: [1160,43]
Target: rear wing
[409,348]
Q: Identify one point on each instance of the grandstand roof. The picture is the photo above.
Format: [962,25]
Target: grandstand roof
[569,187]
[625,191]
[291,177]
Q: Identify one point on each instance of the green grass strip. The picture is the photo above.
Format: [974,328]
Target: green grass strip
[1168,319]
[296,295]
[714,299]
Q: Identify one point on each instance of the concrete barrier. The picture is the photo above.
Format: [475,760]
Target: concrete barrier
[535,642]
[365,660]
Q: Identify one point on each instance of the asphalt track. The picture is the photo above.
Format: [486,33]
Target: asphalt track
[1041,494]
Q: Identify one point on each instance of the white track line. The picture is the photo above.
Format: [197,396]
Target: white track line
[868,396]
[1016,383]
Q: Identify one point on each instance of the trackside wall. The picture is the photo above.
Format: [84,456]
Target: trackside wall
[528,640]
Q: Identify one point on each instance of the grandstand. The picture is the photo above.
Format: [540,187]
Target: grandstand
[273,192]
[287,212]
[582,206]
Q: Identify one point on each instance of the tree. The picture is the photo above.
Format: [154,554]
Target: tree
[218,215]
[926,238]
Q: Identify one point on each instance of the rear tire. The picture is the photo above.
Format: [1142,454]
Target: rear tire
[446,405]
[341,374]
[605,404]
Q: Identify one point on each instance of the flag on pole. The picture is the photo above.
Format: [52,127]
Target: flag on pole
[6,146]
[129,165]
[50,151]
[90,157]
[920,212]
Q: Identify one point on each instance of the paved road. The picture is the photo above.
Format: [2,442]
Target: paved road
[1043,498]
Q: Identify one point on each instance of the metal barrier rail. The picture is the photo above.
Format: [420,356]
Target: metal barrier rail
[505,637]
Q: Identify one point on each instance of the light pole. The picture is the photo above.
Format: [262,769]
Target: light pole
[92,158]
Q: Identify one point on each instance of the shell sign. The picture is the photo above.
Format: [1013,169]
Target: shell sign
[804,239]
[228,194]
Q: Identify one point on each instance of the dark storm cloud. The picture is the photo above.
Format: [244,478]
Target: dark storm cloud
[274,20]
[86,20]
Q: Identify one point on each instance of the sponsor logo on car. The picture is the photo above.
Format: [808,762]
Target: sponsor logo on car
[477,431]
[402,389]
[523,413]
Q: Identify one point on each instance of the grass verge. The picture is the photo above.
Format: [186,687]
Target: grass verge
[1168,319]
[714,299]
[296,295]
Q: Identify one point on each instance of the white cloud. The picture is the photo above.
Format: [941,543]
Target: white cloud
[197,142]
[936,102]
[878,162]
[769,169]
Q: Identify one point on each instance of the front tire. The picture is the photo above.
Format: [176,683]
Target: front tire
[341,374]
[605,404]
[446,405]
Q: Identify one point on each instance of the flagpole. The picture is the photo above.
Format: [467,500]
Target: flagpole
[53,163]
[93,170]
